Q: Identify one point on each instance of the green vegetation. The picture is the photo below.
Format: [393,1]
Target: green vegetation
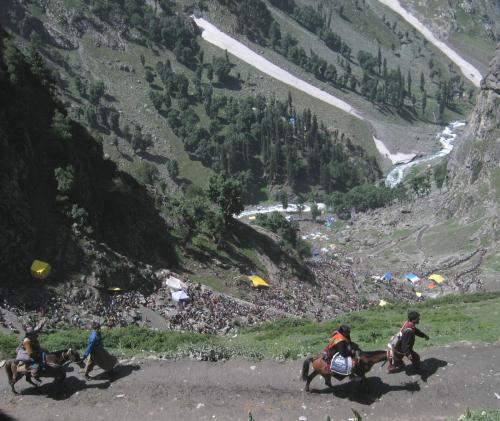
[287,230]
[481,415]
[255,140]
[446,320]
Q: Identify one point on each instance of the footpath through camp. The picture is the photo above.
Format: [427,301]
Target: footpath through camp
[453,379]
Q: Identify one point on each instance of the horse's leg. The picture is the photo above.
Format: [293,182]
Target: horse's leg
[28,379]
[328,380]
[12,374]
[363,384]
[310,379]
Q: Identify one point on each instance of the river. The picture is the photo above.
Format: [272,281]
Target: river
[447,138]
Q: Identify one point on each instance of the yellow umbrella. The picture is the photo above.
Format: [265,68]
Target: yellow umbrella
[257,281]
[436,278]
[40,269]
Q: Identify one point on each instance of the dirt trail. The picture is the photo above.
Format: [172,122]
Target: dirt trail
[455,378]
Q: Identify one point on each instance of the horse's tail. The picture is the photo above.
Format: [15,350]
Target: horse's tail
[305,368]
[8,370]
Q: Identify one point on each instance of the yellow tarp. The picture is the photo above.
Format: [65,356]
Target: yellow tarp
[40,269]
[436,278]
[257,281]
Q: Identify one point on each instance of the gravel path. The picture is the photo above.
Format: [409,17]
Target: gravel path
[455,378]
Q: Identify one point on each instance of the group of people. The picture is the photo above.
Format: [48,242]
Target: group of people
[400,345]
[30,353]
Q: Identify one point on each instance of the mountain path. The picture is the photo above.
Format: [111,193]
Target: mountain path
[454,378]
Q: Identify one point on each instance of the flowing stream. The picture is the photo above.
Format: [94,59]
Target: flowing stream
[446,138]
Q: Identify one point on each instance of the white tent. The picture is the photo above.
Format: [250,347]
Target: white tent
[179,296]
[175,284]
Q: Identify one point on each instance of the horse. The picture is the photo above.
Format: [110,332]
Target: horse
[54,367]
[365,362]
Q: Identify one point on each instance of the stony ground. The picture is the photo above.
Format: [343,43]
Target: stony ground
[454,378]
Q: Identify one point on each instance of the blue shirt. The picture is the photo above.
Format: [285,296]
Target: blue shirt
[95,342]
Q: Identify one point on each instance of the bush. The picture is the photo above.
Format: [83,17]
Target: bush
[65,178]
[147,173]
[61,126]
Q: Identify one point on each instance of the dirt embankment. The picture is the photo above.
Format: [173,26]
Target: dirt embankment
[453,379]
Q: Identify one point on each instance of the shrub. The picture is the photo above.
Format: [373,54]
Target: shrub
[65,178]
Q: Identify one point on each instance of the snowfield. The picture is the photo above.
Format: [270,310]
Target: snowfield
[218,38]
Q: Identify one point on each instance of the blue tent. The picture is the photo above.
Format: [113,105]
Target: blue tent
[412,277]
[387,276]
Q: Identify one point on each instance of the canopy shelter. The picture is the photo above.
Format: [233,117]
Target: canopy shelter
[178,296]
[40,270]
[258,282]
[387,276]
[438,279]
[412,277]
[175,284]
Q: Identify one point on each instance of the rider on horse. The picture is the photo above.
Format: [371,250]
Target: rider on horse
[401,344]
[29,352]
[340,344]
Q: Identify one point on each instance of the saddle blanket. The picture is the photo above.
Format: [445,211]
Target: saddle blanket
[341,365]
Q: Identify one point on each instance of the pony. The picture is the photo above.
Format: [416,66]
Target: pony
[365,362]
[54,368]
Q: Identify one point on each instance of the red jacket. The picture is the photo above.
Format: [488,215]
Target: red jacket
[408,332]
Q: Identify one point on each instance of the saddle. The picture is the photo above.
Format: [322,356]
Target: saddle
[341,365]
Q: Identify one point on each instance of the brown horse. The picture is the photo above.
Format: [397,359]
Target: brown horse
[365,363]
[54,367]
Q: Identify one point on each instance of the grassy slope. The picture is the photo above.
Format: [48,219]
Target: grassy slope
[470,38]
[447,320]
[130,89]
[364,30]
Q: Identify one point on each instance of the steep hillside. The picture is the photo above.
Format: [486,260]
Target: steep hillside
[61,201]
[475,171]
[472,26]
[366,55]
[184,109]
[453,231]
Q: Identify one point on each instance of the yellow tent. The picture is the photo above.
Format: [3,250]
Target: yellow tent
[257,281]
[436,278]
[40,269]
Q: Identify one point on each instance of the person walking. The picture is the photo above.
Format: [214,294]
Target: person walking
[401,344]
[95,354]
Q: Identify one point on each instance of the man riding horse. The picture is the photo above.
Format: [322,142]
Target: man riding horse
[341,359]
[29,352]
[343,349]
